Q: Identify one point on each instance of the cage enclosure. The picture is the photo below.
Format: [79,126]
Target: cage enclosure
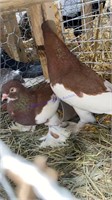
[84,164]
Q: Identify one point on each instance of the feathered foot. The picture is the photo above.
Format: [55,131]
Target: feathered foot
[55,137]
[22,128]
[85,117]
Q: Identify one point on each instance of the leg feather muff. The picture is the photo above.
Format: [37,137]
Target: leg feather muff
[57,133]
[56,136]
[22,128]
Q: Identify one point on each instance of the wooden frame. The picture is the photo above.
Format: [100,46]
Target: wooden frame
[9,5]
[37,10]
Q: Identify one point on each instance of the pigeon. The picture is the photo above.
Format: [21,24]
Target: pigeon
[73,82]
[35,105]
[27,70]
[5,76]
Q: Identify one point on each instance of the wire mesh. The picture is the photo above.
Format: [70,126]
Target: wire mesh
[87,29]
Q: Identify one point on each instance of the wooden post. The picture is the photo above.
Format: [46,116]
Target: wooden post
[11,25]
[36,17]
[3,39]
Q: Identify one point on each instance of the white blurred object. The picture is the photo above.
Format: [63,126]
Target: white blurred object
[7,187]
[43,186]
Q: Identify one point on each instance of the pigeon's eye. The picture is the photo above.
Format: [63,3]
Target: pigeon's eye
[13,89]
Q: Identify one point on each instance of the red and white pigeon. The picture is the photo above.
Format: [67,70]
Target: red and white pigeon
[35,105]
[74,82]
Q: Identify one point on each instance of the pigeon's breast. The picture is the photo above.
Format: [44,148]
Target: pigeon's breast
[22,115]
[48,110]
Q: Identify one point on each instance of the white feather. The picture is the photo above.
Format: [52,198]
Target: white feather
[100,103]
[22,128]
[87,104]
[49,140]
[48,111]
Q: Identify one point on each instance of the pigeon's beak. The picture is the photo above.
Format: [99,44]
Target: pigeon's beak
[4,96]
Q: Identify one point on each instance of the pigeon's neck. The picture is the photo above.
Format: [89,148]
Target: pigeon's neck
[59,58]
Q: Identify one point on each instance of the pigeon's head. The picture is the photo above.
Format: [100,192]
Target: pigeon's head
[9,74]
[12,90]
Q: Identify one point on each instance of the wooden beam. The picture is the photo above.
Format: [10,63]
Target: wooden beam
[6,5]
[36,20]
[36,17]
